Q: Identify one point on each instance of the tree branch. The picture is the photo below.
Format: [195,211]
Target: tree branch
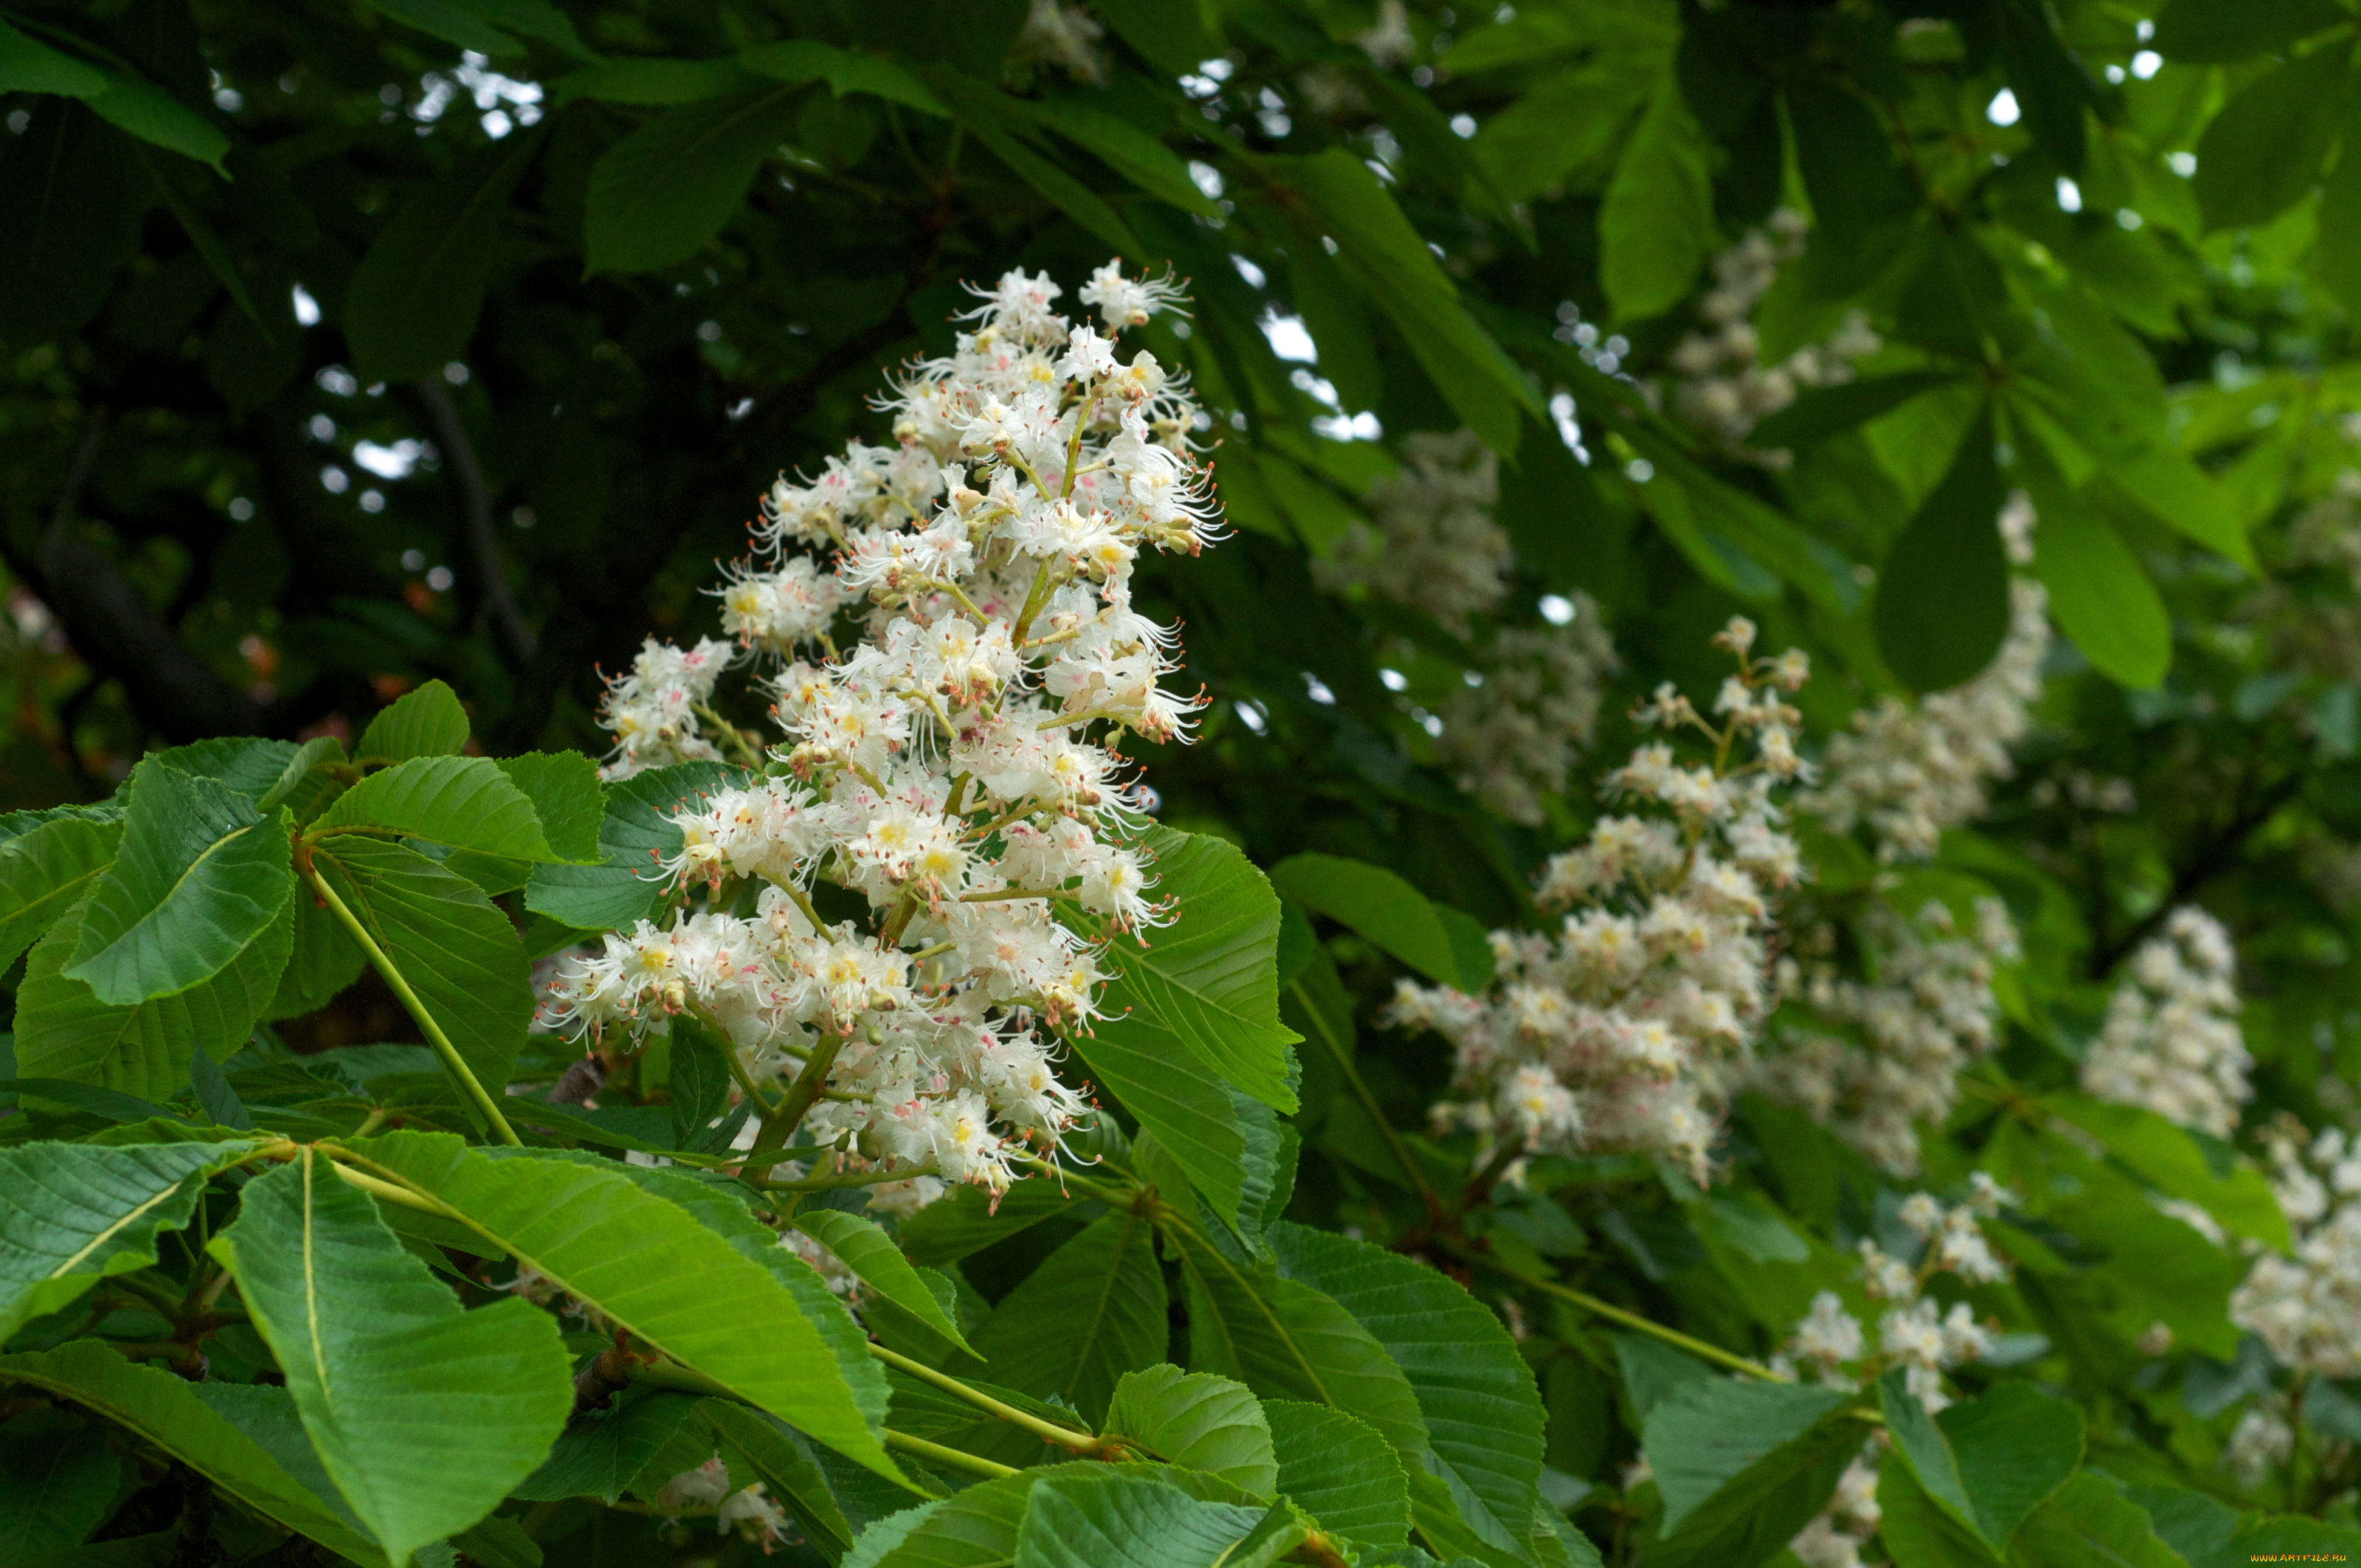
[516,639]
[2209,862]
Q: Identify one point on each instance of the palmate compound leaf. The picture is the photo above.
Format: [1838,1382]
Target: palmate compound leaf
[424,1414]
[162,1410]
[1199,1421]
[198,876]
[652,1268]
[45,871]
[72,1214]
[1093,1311]
[64,1032]
[1340,1470]
[1741,1466]
[1482,1411]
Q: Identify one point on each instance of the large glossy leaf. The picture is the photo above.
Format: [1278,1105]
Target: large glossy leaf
[1656,224]
[650,1266]
[663,191]
[198,875]
[64,1032]
[2263,150]
[58,1480]
[872,1255]
[1942,594]
[1341,1471]
[1379,906]
[1287,1341]
[465,802]
[1210,980]
[1482,1411]
[1199,1421]
[567,798]
[1741,1466]
[164,1411]
[1179,1099]
[424,722]
[1091,1519]
[454,947]
[414,301]
[634,837]
[72,1214]
[45,871]
[1092,1310]
[424,1414]
[2101,595]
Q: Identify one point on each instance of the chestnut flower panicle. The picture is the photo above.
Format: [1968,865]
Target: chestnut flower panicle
[940,764]
[1625,1028]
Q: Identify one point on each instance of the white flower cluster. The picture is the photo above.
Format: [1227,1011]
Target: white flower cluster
[1620,1030]
[1914,1333]
[2307,1306]
[1510,739]
[654,711]
[2170,1043]
[1929,1014]
[755,1516]
[941,768]
[1063,36]
[1906,773]
[1723,387]
[1435,547]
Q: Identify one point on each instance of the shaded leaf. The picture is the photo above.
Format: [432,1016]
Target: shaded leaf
[634,837]
[414,301]
[44,873]
[1942,594]
[872,1255]
[1092,1310]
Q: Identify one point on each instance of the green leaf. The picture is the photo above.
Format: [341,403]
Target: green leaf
[636,834]
[465,802]
[2089,1520]
[1200,1422]
[1125,148]
[1655,227]
[1341,1471]
[58,1480]
[567,797]
[1210,980]
[137,105]
[27,66]
[1741,1466]
[2336,246]
[1175,1096]
[1003,123]
[1287,1341]
[660,194]
[423,1413]
[2263,150]
[2214,32]
[414,301]
[2278,1537]
[1562,130]
[65,186]
[249,765]
[1378,904]
[1830,411]
[45,872]
[2101,595]
[1092,1310]
[652,1268]
[2015,1447]
[325,960]
[2052,85]
[169,1413]
[426,722]
[1920,1532]
[1942,594]
[64,1031]
[789,1475]
[601,1454]
[1107,1517]
[967,1219]
[872,1255]
[1378,245]
[2169,1158]
[487,25]
[451,943]
[198,875]
[72,1214]
[844,71]
[1482,1411]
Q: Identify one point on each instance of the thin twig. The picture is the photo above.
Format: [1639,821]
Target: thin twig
[1614,1313]
[476,510]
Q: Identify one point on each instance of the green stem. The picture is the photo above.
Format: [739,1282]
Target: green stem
[1369,1101]
[780,1124]
[1048,1431]
[729,1050]
[749,754]
[1614,1313]
[920,1448]
[453,1063]
[851,1179]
